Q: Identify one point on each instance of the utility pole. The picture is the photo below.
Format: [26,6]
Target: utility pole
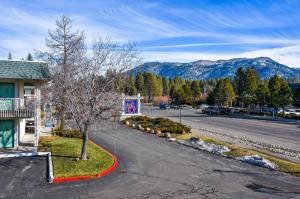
[180,113]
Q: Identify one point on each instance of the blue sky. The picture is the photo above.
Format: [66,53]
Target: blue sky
[173,30]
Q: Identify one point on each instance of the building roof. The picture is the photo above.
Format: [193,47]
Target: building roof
[24,70]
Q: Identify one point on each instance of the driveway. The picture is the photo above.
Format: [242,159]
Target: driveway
[151,167]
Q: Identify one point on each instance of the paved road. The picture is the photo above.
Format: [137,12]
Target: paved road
[152,168]
[271,132]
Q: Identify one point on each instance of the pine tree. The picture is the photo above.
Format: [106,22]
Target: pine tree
[130,87]
[9,56]
[139,83]
[296,97]
[280,93]
[166,88]
[250,83]
[239,85]
[151,87]
[196,93]
[29,57]
[262,94]
[223,94]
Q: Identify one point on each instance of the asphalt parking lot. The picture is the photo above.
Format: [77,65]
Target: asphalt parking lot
[20,177]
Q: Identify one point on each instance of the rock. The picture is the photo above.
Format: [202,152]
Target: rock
[127,123]
[133,126]
[152,131]
[157,132]
[168,135]
[141,128]
[148,129]
[161,135]
[172,139]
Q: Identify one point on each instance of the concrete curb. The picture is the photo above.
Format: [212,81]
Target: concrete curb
[31,154]
[103,173]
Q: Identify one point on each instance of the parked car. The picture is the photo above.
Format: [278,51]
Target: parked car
[163,106]
[203,106]
[173,106]
[211,110]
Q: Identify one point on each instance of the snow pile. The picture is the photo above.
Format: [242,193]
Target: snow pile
[258,161]
[200,144]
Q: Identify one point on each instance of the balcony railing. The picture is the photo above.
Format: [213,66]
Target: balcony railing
[17,107]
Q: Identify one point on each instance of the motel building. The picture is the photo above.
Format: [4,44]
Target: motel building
[20,96]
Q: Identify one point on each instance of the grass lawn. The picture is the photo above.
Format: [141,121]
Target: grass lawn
[65,152]
[235,151]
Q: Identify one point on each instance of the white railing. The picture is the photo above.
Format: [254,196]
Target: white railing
[17,107]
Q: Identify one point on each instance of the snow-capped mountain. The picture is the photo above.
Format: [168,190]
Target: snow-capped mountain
[205,69]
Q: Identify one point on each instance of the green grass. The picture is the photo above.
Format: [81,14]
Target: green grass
[65,154]
[235,151]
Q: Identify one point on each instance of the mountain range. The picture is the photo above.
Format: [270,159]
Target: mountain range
[205,69]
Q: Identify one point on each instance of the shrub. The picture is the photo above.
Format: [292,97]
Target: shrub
[138,118]
[69,133]
[166,125]
[163,124]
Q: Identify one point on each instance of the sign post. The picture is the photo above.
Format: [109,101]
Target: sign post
[131,106]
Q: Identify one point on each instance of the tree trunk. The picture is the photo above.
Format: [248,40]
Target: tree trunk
[62,119]
[283,110]
[84,145]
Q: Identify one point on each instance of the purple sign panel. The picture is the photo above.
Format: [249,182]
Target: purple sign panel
[131,106]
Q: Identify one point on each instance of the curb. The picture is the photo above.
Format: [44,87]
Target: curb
[31,154]
[103,173]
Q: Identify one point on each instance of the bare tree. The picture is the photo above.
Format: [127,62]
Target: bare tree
[93,94]
[64,46]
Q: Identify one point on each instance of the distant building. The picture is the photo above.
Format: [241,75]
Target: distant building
[20,95]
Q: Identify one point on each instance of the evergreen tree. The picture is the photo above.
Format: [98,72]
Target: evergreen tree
[139,83]
[130,87]
[239,85]
[250,83]
[173,94]
[9,56]
[262,94]
[186,95]
[166,88]
[296,98]
[223,94]
[196,93]
[280,93]
[151,87]
[29,57]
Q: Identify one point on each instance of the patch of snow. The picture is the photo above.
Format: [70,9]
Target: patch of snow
[171,139]
[259,161]
[200,144]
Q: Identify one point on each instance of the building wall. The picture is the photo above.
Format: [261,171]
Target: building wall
[19,93]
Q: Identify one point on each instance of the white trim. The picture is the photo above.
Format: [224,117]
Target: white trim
[30,154]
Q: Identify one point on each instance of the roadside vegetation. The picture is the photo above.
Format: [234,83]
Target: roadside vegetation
[66,157]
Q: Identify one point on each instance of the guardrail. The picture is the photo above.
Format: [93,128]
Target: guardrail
[17,107]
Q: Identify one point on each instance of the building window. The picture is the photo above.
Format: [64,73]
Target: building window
[29,89]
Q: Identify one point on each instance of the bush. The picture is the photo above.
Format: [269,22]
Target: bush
[138,118]
[69,133]
[289,116]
